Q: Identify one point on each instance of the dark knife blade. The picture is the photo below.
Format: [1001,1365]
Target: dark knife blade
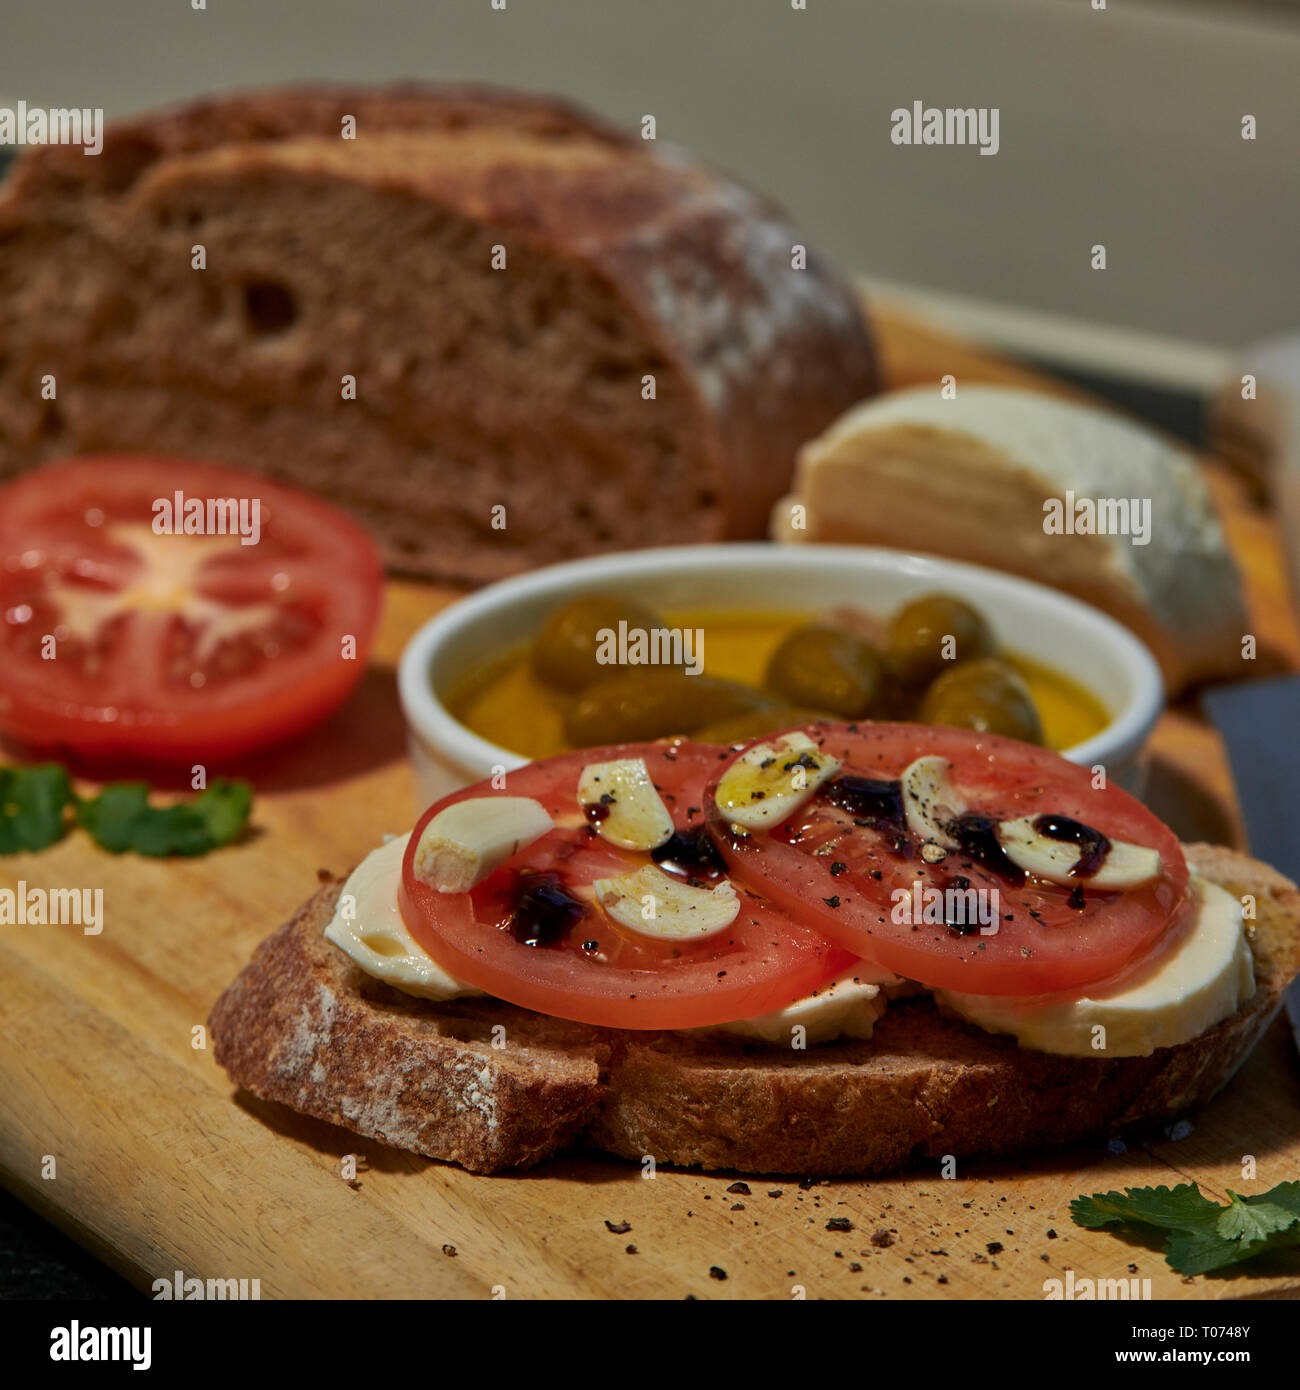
[1260,726]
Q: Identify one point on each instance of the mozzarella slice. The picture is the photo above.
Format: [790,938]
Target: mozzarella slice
[845,1007]
[1205,978]
[654,904]
[930,801]
[367,925]
[1125,865]
[633,813]
[463,844]
[770,781]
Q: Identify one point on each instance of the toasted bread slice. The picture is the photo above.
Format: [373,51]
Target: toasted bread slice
[491,1086]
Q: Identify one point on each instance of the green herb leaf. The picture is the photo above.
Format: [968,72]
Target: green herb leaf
[120,818]
[1204,1236]
[1257,1220]
[1202,1252]
[32,803]
[1182,1208]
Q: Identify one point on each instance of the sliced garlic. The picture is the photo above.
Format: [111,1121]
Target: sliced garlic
[463,844]
[635,816]
[1125,865]
[654,904]
[930,801]
[770,781]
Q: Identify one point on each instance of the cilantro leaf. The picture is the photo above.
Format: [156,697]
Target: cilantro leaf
[1182,1208]
[32,803]
[1202,1252]
[1257,1220]
[120,818]
[1204,1236]
[1285,1194]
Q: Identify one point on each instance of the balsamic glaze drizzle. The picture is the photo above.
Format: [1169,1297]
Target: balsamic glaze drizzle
[543,911]
[878,802]
[875,800]
[690,852]
[1093,845]
[977,836]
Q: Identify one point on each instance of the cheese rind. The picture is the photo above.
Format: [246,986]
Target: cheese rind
[367,925]
[1205,978]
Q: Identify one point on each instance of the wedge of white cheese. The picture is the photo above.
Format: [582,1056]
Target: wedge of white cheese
[1204,978]
[367,925]
[980,476]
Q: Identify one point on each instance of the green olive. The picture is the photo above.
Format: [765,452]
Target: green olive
[919,648]
[827,668]
[636,705]
[740,728]
[567,651]
[988,696]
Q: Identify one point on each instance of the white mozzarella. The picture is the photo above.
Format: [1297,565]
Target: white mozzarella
[654,904]
[367,925]
[770,781]
[1204,978]
[463,844]
[845,1007]
[635,815]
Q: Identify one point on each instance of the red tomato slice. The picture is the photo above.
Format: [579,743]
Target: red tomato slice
[119,638]
[843,873]
[598,971]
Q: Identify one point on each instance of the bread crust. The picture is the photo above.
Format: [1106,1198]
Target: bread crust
[304,1026]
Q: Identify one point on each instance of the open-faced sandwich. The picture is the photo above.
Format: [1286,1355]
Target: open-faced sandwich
[835,950]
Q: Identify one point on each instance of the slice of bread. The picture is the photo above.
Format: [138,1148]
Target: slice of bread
[491,1086]
[497,330]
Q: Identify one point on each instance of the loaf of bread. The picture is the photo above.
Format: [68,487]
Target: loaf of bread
[1063,493]
[305,1026]
[483,301]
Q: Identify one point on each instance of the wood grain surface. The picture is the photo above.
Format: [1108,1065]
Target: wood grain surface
[119,1127]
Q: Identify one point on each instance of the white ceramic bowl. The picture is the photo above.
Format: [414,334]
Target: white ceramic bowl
[1078,641]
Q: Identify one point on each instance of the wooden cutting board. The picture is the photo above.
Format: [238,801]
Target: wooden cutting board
[119,1127]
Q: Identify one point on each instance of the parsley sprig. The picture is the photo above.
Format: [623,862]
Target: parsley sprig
[1203,1236]
[35,803]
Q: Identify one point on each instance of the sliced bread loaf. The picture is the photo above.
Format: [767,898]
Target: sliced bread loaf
[496,329]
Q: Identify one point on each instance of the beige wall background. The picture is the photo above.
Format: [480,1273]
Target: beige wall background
[1120,126]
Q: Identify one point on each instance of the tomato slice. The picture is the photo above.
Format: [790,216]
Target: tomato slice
[598,971]
[118,636]
[844,871]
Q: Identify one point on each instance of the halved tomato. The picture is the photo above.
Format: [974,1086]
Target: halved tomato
[135,619]
[533,934]
[851,871]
